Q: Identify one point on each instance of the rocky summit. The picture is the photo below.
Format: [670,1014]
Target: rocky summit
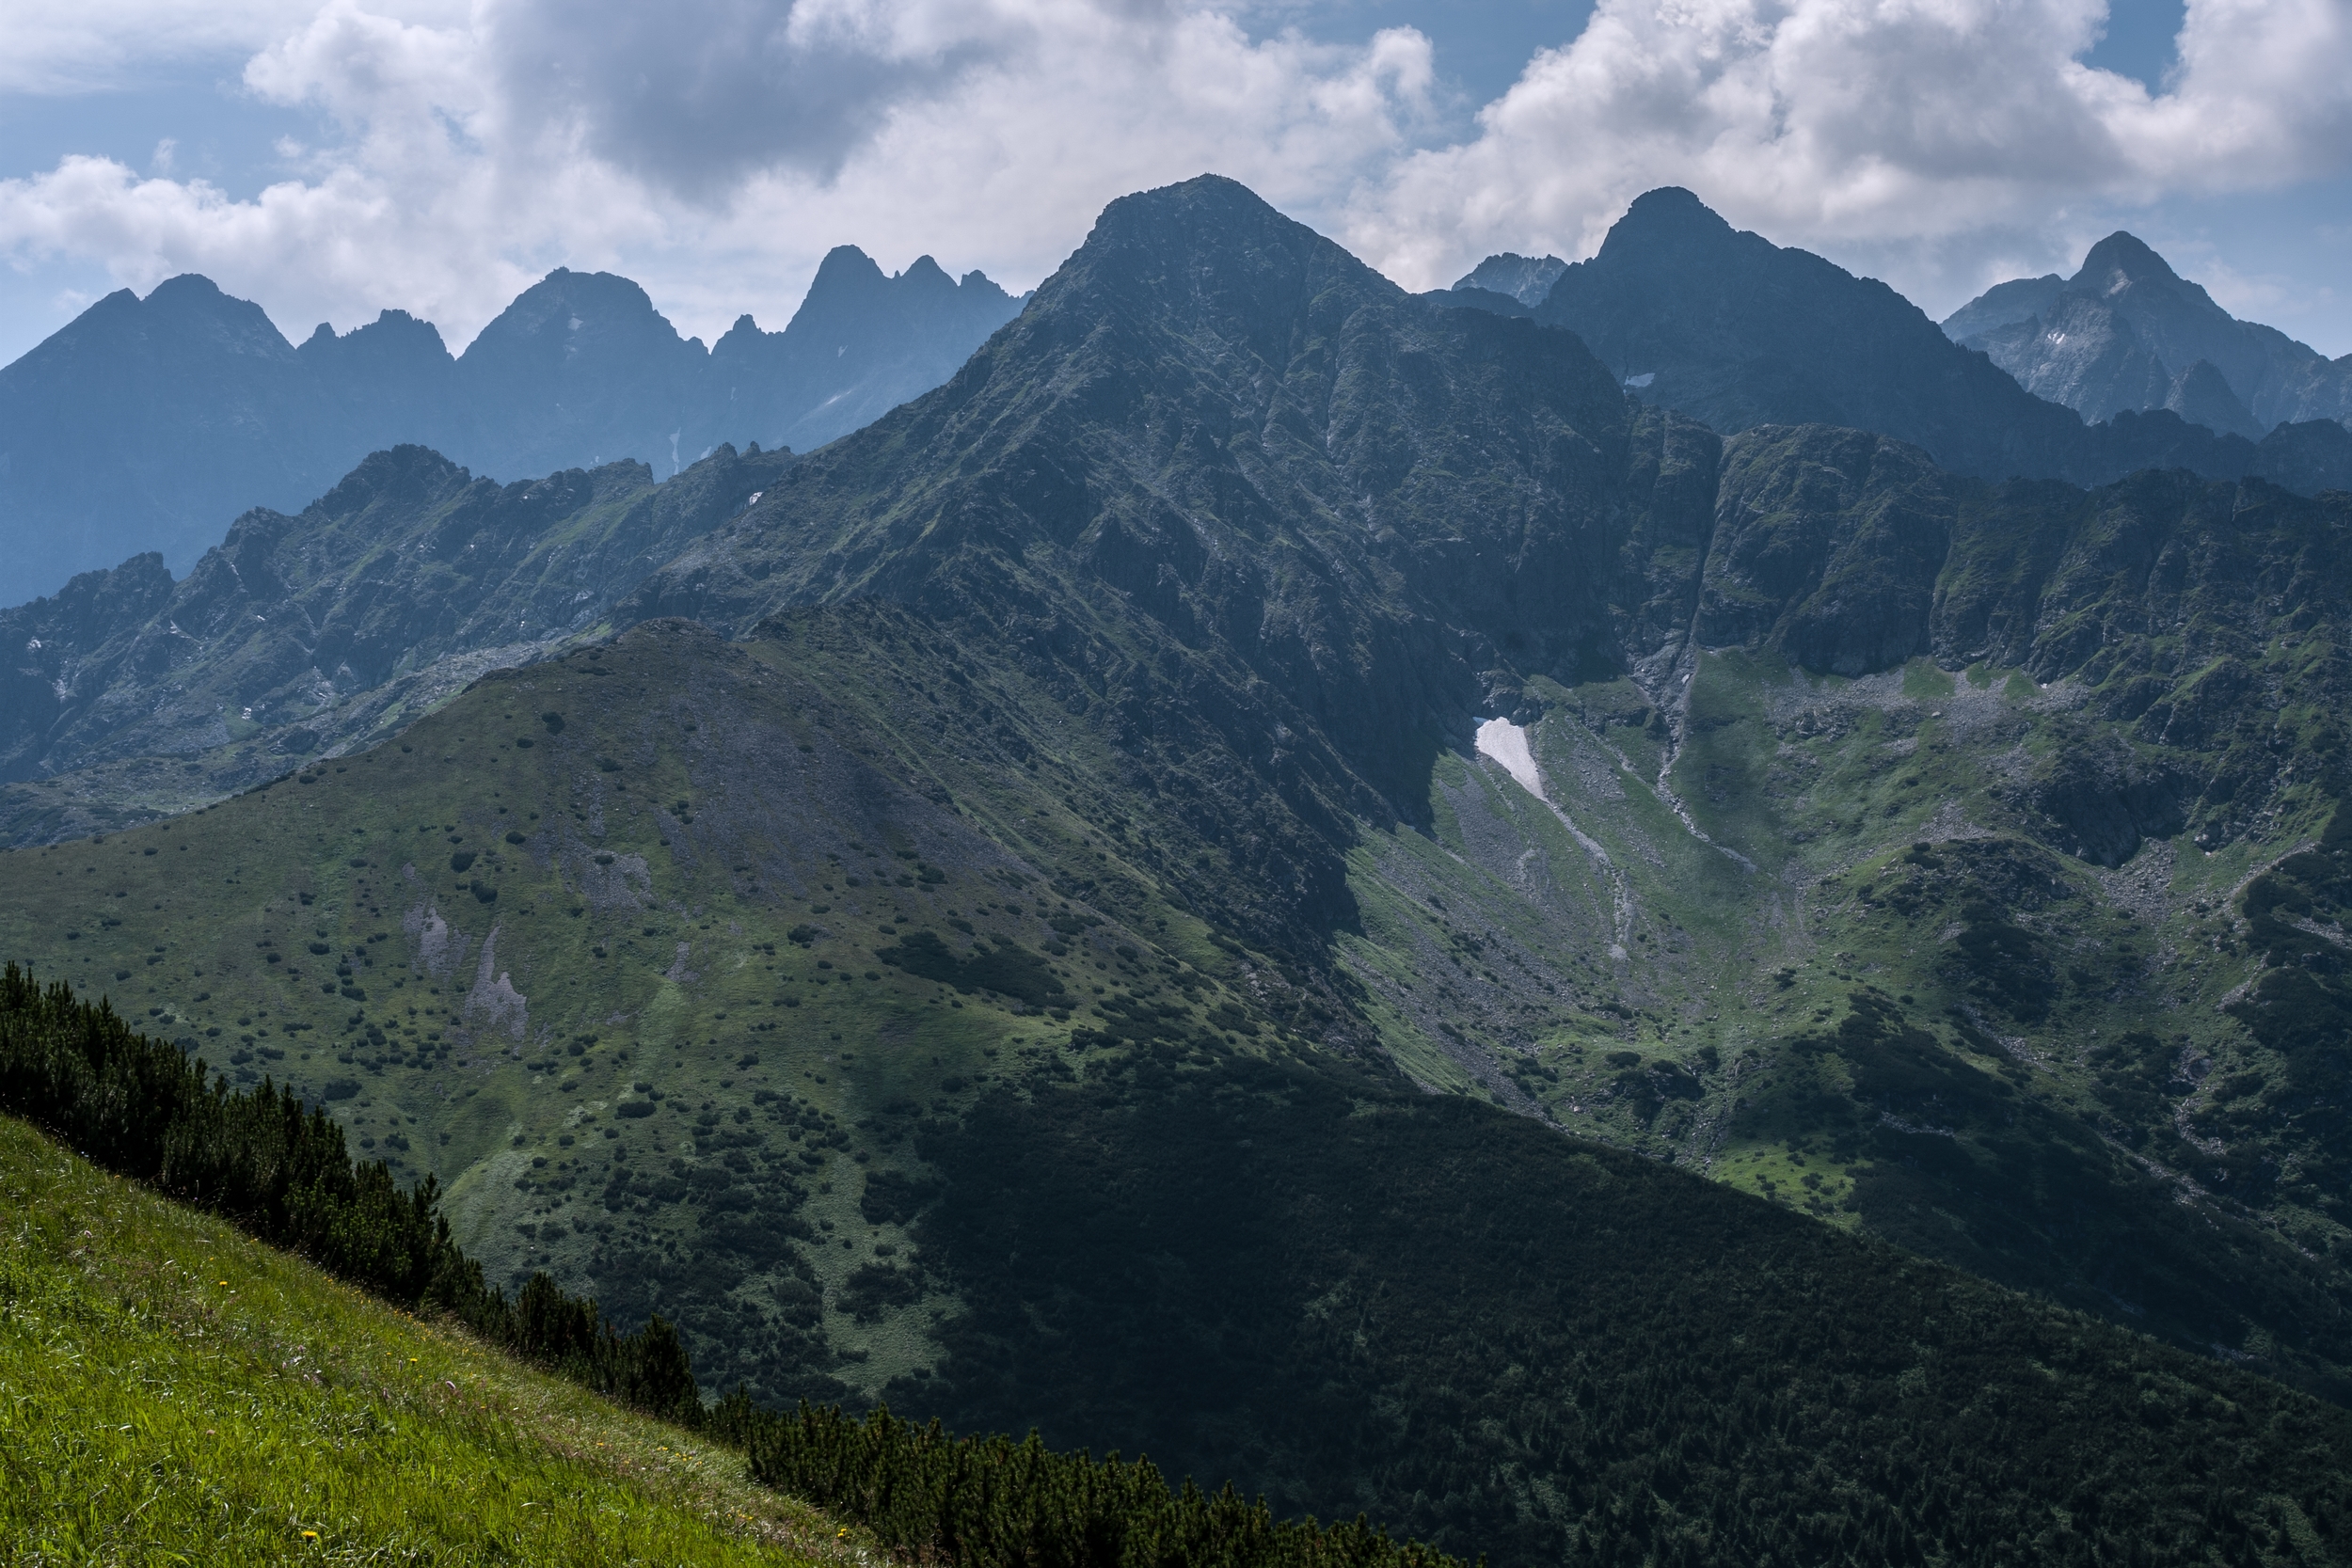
[2127,332]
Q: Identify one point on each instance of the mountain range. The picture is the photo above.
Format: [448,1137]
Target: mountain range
[146,424]
[1298,877]
[2127,332]
[1736,331]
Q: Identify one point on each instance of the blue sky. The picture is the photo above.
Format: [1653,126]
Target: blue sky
[332,159]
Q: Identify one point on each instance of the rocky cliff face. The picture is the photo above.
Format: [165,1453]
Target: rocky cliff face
[147,424]
[1525,278]
[2127,332]
[860,344]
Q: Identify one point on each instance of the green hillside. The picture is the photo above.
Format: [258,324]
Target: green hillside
[171,1392]
[661,919]
[129,696]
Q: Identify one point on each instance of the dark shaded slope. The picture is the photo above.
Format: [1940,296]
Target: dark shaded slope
[1512,1344]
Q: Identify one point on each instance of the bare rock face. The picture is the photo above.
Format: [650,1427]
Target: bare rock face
[1525,278]
[2126,333]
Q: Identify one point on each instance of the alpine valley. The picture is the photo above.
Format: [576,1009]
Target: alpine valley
[1307,880]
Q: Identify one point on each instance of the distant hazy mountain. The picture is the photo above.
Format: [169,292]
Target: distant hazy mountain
[2127,332]
[860,344]
[1525,278]
[147,424]
[1736,331]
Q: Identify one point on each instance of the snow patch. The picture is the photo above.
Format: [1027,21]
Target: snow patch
[1506,743]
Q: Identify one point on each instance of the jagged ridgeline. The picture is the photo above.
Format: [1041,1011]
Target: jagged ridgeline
[303,635]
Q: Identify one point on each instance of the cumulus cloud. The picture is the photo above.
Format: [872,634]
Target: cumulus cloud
[698,94]
[1834,122]
[715,149]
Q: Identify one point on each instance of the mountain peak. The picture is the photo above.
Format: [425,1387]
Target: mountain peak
[193,301]
[2159,326]
[188,289]
[1228,237]
[1525,278]
[929,274]
[2119,260]
[845,267]
[567,313]
[1673,204]
[1669,219]
[1206,204]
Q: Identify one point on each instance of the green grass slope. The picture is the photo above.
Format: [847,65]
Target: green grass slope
[171,1392]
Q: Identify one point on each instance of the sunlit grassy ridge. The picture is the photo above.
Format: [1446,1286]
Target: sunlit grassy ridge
[171,1392]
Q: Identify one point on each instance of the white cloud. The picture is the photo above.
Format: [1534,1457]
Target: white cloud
[715,149]
[1882,124]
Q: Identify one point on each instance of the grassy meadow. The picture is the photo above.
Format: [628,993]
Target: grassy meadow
[173,1392]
